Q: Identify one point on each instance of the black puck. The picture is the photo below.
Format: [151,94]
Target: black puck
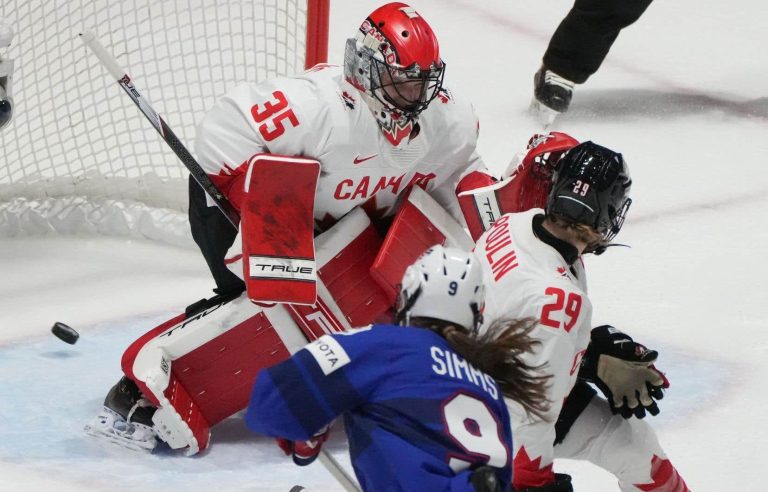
[65,332]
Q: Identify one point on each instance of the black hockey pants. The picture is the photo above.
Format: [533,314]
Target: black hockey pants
[214,235]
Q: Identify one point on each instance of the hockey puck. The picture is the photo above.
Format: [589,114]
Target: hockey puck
[65,333]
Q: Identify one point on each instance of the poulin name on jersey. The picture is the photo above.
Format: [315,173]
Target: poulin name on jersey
[501,256]
[448,363]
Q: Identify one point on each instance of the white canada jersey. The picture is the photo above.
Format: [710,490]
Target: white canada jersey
[524,278]
[319,115]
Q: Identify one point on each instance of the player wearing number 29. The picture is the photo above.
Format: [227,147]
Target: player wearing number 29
[378,126]
[421,408]
[532,266]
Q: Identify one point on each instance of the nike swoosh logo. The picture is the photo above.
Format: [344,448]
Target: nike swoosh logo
[359,160]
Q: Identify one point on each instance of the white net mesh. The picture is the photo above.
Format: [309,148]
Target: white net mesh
[77,138]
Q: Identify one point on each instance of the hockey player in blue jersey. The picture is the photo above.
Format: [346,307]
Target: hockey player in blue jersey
[421,407]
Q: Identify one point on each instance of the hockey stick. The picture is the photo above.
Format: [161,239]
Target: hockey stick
[197,172]
[338,472]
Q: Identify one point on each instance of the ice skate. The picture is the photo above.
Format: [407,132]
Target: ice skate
[551,95]
[126,419]
[112,427]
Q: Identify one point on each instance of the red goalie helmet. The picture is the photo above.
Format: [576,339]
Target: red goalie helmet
[394,61]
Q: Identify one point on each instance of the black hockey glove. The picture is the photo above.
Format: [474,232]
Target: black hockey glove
[623,370]
[562,483]
[484,479]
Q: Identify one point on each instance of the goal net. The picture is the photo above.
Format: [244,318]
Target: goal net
[78,155]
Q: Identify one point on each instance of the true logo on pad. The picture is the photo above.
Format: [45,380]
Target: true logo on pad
[281,268]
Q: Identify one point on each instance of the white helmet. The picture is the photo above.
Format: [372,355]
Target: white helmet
[445,284]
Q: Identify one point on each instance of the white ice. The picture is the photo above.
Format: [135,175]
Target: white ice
[683,94]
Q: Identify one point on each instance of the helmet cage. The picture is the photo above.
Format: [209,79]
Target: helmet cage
[390,84]
[617,220]
[394,61]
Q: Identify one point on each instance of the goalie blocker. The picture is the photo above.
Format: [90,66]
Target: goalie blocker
[277,229]
[198,368]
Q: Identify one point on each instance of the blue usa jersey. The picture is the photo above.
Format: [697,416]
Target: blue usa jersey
[417,415]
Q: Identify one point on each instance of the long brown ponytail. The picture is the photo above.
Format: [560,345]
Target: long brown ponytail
[498,352]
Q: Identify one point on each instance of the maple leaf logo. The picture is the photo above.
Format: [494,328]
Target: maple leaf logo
[664,477]
[349,101]
[528,472]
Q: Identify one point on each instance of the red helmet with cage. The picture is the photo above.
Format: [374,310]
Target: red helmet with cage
[394,61]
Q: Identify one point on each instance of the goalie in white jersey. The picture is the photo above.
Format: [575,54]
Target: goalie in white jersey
[378,126]
[294,156]
[533,268]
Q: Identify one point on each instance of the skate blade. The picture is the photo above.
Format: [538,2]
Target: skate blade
[106,436]
[543,114]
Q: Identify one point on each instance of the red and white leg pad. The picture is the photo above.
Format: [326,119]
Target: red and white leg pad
[420,223]
[345,269]
[200,370]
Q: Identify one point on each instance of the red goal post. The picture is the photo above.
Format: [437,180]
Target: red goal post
[78,156]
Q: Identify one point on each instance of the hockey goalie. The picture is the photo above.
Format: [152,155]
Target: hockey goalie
[342,177]
[224,341]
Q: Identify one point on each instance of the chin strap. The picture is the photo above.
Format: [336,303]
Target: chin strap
[402,317]
[600,249]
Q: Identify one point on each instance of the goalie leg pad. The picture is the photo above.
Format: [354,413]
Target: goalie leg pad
[179,420]
[199,370]
[277,229]
[348,296]
[419,224]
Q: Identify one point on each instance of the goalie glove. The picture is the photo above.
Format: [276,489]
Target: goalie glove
[304,452]
[623,370]
[534,173]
